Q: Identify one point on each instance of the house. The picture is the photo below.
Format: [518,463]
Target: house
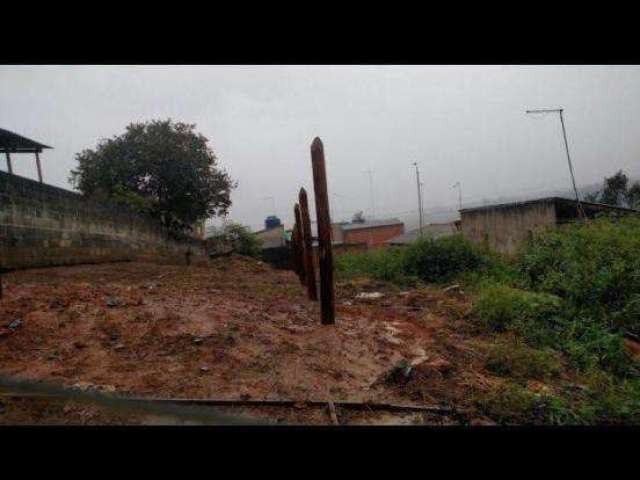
[373,233]
[433,230]
[505,226]
[272,237]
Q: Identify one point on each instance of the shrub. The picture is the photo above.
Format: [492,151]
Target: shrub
[520,361]
[595,266]
[437,260]
[239,238]
[500,308]
[384,264]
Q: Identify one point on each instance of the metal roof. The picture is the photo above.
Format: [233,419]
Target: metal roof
[545,200]
[14,143]
[434,230]
[371,224]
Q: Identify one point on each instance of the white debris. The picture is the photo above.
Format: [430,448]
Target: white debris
[369,296]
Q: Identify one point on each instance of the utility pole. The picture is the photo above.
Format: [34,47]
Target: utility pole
[373,205]
[566,146]
[459,187]
[415,164]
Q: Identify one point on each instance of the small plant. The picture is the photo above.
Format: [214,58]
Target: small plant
[513,403]
[520,361]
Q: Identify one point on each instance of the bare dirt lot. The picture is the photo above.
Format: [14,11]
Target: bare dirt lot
[236,329]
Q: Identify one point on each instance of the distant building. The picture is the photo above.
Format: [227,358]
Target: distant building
[433,230]
[505,226]
[373,233]
[272,237]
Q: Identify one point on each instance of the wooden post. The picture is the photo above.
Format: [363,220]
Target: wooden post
[294,255]
[327,295]
[9,166]
[298,228]
[39,167]
[307,246]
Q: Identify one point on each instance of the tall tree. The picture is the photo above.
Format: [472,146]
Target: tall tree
[617,191]
[162,168]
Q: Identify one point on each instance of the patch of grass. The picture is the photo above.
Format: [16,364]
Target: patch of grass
[500,308]
[520,361]
[513,403]
[384,264]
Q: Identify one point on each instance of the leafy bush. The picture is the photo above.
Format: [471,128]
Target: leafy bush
[500,308]
[437,260]
[594,266]
[520,361]
[428,260]
[238,238]
[384,264]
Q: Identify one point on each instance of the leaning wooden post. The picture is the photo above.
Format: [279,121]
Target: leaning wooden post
[298,252]
[327,296]
[307,246]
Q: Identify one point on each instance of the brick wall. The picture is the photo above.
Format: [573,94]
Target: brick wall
[43,225]
[374,237]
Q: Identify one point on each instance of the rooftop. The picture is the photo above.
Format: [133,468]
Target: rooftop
[556,200]
[14,143]
[371,224]
[434,230]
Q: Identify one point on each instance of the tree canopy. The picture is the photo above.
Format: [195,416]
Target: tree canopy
[161,168]
[617,191]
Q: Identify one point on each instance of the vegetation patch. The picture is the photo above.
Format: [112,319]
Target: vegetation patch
[520,361]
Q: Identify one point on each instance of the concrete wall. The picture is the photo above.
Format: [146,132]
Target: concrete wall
[43,225]
[504,228]
[373,236]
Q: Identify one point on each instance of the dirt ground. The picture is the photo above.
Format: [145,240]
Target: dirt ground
[236,329]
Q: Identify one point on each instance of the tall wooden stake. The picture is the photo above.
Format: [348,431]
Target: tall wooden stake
[307,246]
[294,256]
[298,251]
[327,295]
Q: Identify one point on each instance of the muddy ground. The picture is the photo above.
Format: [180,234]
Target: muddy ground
[236,329]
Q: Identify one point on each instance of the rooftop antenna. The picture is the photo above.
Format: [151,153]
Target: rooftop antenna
[566,146]
[415,164]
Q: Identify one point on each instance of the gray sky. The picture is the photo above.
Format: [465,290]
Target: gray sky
[460,123]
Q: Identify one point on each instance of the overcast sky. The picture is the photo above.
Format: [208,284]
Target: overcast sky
[460,123]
